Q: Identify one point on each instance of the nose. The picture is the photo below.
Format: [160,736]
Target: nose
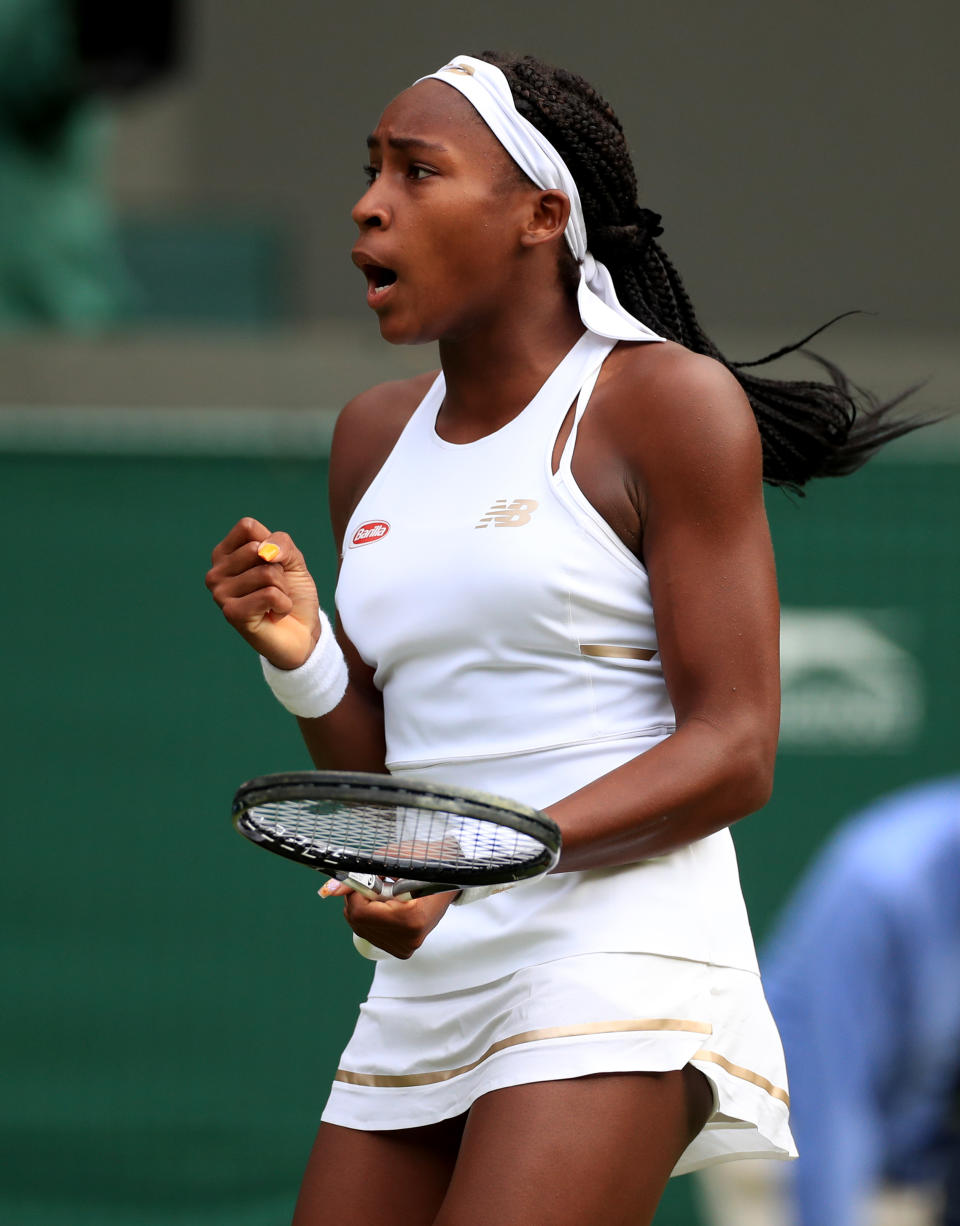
[371,209]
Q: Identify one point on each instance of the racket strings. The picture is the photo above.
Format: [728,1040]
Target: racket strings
[402,839]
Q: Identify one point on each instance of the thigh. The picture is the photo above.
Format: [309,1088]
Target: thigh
[400,1176]
[563,1153]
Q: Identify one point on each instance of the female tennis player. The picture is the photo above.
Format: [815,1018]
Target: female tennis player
[557,585]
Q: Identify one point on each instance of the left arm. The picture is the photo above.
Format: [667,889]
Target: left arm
[691,453]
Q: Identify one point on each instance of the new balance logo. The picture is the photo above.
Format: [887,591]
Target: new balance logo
[514,515]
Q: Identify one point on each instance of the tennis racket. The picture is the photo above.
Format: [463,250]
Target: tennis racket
[393,838]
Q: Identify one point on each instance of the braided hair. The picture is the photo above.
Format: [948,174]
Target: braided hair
[808,429]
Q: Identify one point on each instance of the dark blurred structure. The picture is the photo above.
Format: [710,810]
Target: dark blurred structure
[121,48]
[59,258]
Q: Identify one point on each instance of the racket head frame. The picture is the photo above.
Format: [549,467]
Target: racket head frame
[363,787]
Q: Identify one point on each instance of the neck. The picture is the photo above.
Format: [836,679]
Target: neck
[496,368]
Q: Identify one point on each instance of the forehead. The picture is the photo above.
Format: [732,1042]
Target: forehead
[439,114]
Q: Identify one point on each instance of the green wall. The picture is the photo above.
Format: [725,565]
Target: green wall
[175,1000]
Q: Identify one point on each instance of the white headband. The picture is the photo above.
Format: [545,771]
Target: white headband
[488,91]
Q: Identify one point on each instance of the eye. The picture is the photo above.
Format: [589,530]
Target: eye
[419,173]
[370,173]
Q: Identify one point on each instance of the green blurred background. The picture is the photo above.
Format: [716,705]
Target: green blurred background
[175,1001]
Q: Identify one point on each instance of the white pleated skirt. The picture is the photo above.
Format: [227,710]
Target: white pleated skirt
[414,1061]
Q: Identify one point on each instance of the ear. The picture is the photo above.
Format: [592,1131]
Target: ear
[547,218]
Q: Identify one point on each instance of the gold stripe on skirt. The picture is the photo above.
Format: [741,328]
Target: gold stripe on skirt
[736,1070]
[385,1080]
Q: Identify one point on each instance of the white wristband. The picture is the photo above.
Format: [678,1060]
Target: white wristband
[317,685]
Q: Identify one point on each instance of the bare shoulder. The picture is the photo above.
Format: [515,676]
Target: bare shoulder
[666,395]
[367,428]
[379,414]
[678,423]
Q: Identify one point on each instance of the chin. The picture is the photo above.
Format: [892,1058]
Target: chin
[398,332]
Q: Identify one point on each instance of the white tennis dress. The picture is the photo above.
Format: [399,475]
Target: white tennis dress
[512,635]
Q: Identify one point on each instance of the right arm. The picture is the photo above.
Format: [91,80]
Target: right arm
[273,606]
[366,432]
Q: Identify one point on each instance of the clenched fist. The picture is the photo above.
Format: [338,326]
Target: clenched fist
[261,582]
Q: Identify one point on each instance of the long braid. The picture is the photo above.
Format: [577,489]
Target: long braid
[808,428]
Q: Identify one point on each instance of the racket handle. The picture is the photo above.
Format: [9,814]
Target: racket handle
[386,891]
[404,890]
[362,885]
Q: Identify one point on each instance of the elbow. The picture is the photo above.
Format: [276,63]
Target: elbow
[753,760]
[757,790]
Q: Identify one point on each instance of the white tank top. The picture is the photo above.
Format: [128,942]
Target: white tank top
[512,635]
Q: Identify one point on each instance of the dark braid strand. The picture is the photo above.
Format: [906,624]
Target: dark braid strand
[808,428]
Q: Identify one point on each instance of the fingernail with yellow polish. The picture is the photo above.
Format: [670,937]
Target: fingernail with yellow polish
[268,551]
[329,888]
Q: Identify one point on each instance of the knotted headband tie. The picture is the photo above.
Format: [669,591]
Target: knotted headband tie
[488,91]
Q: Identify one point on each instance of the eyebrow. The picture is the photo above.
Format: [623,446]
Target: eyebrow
[406,142]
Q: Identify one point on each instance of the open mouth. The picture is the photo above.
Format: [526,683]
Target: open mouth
[379,278]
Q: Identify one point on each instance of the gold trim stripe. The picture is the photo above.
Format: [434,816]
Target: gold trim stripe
[611,651]
[385,1080]
[735,1070]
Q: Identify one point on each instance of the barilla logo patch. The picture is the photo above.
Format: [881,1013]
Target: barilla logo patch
[372,530]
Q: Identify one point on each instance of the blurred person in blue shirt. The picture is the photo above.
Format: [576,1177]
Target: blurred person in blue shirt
[863,977]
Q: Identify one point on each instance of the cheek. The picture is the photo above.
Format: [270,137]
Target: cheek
[476,239]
